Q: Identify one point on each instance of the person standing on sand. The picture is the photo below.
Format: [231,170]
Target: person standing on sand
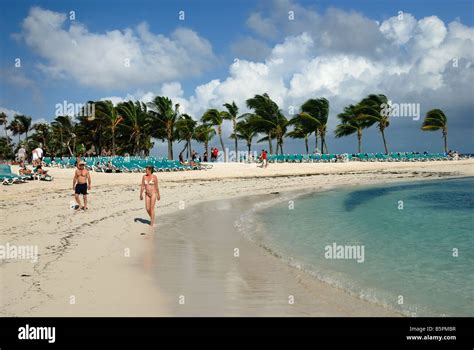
[22,154]
[81,183]
[38,153]
[150,186]
[263,159]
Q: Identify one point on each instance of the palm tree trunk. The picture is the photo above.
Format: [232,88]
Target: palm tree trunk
[137,144]
[189,148]
[270,149]
[170,149]
[219,130]
[249,145]
[113,141]
[170,142]
[206,148]
[384,141]
[359,140]
[236,141]
[316,140]
[322,143]
[70,151]
[306,144]
[184,148]
[445,137]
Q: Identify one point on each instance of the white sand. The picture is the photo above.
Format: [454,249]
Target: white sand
[83,255]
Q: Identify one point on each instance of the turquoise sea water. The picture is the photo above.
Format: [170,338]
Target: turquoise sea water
[410,233]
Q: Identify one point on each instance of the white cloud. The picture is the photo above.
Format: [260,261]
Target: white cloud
[117,58]
[399,29]
[250,48]
[263,26]
[9,112]
[410,61]
[39,121]
[292,72]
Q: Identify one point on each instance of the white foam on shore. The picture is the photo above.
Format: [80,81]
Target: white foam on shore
[249,226]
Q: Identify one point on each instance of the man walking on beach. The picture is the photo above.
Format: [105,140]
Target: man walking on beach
[81,183]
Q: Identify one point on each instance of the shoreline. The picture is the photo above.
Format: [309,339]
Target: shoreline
[236,285]
[309,271]
[83,254]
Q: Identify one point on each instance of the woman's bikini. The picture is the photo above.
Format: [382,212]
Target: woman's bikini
[149,183]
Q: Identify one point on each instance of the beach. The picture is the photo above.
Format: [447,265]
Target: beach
[109,262]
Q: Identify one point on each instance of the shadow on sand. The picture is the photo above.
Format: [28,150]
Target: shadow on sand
[143,221]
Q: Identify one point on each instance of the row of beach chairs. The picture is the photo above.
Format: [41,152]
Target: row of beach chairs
[119,164]
[362,157]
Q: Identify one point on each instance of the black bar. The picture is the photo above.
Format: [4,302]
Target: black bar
[337,331]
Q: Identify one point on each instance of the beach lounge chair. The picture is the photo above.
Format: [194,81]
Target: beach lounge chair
[8,177]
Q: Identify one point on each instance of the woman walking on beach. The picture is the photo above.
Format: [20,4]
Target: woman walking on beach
[150,186]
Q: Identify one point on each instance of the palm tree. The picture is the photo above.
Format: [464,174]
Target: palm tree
[307,123]
[25,122]
[437,120]
[163,119]
[374,110]
[6,151]
[214,117]
[245,130]
[16,127]
[41,135]
[136,121]
[350,124]
[265,109]
[300,132]
[204,134]
[231,114]
[185,127]
[105,110]
[276,128]
[4,121]
[63,126]
[314,115]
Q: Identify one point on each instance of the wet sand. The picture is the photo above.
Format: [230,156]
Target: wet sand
[205,267]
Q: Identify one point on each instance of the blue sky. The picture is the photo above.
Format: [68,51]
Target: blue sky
[255,33]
